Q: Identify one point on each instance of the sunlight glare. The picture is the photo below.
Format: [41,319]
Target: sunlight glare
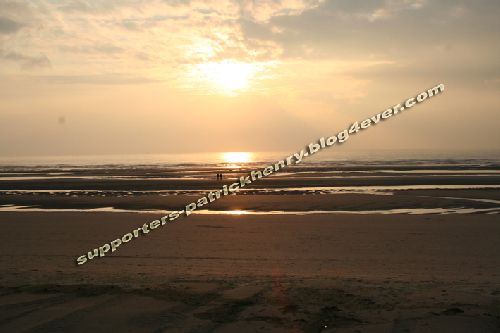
[236,157]
[228,77]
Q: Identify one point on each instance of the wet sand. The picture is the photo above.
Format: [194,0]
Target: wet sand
[412,201]
[272,182]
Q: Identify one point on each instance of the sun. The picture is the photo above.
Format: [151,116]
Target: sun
[237,157]
[229,77]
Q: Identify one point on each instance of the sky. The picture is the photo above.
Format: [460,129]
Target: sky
[180,76]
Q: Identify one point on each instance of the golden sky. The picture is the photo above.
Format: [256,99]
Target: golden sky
[132,76]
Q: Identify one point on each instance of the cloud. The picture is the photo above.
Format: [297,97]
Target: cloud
[391,28]
[162,37]
[94,7]
[8,26]
[131,34]
[263,10]
[26,61]
[87,49]
[141,24]
[102,79]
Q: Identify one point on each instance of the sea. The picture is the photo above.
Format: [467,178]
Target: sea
[383,172]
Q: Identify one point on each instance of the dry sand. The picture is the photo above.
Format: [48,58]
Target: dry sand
[337,273]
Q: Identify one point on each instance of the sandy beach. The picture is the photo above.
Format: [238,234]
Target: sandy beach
[338,273]
[354,249]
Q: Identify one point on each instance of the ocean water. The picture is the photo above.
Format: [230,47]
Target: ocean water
[256,158]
